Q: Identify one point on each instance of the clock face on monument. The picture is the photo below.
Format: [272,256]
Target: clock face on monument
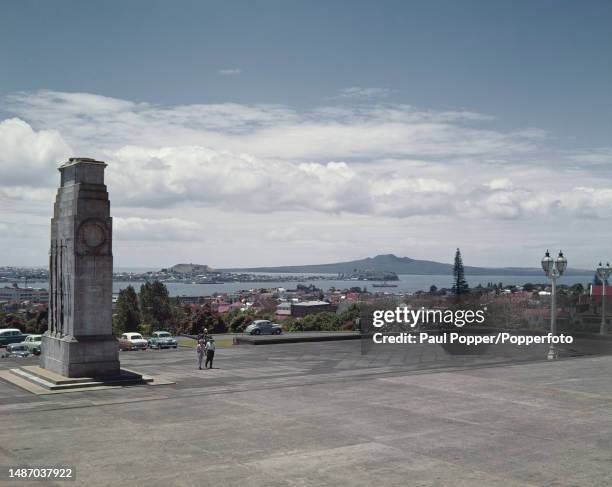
[92,235]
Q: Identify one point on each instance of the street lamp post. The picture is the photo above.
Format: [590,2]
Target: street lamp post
[603,273]
[553,269]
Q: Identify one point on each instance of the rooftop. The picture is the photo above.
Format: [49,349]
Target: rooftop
[311,303]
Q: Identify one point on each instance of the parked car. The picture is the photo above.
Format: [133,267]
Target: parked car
[162,339]
[263,327]
[11,335]
[33,343]
[132,341]
[17,350]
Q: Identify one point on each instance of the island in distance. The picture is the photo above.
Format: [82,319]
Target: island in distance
[380,268]
[403,265]
[206,273]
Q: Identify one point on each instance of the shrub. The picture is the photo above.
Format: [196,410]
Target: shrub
[145,329]
[240,322]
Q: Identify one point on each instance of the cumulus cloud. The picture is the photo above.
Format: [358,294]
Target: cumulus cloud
[174,175]
[28,157]
[499,183]
[589,202]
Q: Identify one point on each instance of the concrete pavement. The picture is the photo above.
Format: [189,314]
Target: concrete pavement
[323,414]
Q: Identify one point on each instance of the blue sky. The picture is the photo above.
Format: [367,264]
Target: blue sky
[547,62]
[420,93]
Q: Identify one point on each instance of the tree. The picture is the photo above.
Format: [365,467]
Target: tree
[433,289]
[179,314]
[460,285]
[155,305]
[239,322]
[348,318]
[14,321]
[127,312]
[38,322]
[205,318]
[577,289]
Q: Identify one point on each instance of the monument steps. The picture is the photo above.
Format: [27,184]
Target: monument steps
[54,382]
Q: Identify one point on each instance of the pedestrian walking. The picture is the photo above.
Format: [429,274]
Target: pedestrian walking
[200,350]
[210,353]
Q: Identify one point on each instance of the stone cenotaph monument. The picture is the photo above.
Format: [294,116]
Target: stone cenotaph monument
[80,340]
[79,350]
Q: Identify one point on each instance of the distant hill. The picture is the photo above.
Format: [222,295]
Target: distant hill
[404,265]
[191,269]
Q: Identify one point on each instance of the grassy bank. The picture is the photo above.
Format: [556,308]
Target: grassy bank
[188,342]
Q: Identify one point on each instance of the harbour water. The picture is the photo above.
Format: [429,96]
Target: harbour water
[408,283]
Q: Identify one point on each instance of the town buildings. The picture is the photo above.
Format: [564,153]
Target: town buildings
[19,294]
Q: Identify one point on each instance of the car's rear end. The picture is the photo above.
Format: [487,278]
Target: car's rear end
[139,345]
[17,350]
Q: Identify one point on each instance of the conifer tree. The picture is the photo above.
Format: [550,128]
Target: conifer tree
[460,285]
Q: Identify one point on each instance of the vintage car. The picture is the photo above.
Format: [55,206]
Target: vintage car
[263,327]
[162,339]
[132,341]
[11,335]
[33,343]
[17,350]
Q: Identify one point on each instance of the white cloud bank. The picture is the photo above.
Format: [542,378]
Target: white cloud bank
[377,160]
[268,158]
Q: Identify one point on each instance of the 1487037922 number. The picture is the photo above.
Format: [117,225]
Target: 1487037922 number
[64,473]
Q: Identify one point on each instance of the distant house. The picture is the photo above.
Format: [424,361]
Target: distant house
[283,309]
[187,300]
[310,307]
[597,290]
[16,293]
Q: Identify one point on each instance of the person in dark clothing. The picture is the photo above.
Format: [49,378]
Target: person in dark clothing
[210,353]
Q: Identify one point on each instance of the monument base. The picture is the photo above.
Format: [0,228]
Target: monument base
[36,379]
[90,356]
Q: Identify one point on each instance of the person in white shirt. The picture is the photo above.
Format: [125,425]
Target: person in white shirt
[200,350]
[210,353]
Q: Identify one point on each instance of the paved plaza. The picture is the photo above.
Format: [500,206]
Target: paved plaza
[325,414]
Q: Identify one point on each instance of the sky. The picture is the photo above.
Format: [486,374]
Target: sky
[250,133]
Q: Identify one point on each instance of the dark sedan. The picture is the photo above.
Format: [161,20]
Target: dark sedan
[11,335]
